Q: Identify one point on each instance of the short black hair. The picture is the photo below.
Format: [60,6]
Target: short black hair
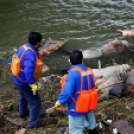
[76,57]
[34,38]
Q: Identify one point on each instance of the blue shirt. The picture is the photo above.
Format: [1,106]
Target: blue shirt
[72,85]
[27,63]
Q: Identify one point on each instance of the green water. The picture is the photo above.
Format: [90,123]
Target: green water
[84,23]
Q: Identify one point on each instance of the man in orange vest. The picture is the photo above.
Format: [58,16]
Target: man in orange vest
[26,81]
[79,82]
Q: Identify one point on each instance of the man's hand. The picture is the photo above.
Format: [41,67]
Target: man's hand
[58,105]
[34,87]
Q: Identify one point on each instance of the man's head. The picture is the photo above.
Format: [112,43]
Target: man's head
[76,57]
[35,39]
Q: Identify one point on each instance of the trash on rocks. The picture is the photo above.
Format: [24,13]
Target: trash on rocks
[109,121]
[115,131]
[123,127]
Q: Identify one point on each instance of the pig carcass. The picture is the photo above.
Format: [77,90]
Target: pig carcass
[127,33]
[121,74]
[115,46]
[50,46]
[110,71]
[113,89]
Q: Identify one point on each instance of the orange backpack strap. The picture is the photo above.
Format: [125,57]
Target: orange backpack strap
[87,97]
[63,81]
[85,73]
[26,48]
[39,64]
[92,75]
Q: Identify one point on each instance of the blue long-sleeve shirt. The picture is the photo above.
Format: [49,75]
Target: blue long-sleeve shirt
[71,86]
[27,63]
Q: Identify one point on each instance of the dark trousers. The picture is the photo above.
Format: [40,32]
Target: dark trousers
[26,98]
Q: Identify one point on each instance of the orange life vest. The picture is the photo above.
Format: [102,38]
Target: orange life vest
[15,65]
[87,99]
[63,81]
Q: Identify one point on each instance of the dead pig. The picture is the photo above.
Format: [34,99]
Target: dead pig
[115,46]
[110,71]
[127,33]
[50,46]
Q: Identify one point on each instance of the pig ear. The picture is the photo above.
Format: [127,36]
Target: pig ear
[119,30]
[122,70]
[127,67]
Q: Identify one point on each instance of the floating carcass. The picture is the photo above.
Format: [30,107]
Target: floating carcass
[115,46]
[50,46]
[127,33]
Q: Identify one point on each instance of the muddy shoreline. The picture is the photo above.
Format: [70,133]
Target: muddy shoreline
[57,121]
[113,109]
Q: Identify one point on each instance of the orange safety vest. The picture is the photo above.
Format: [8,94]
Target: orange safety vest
[15,65]
[63,79]
[87,99]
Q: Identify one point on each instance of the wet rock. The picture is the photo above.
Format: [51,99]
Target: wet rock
[123,127]
[91,53]
[52,79]
[63,130]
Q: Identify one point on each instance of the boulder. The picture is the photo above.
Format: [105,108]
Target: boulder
[91,53]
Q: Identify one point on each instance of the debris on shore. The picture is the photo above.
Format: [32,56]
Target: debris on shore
[107,113]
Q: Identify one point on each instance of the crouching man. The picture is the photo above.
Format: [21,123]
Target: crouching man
[80,94]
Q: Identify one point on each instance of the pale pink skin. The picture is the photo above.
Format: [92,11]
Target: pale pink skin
[115,46]
[128,33]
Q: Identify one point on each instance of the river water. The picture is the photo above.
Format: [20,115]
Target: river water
[84,23]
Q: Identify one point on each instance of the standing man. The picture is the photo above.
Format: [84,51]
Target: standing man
[25,70]
[80,78]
